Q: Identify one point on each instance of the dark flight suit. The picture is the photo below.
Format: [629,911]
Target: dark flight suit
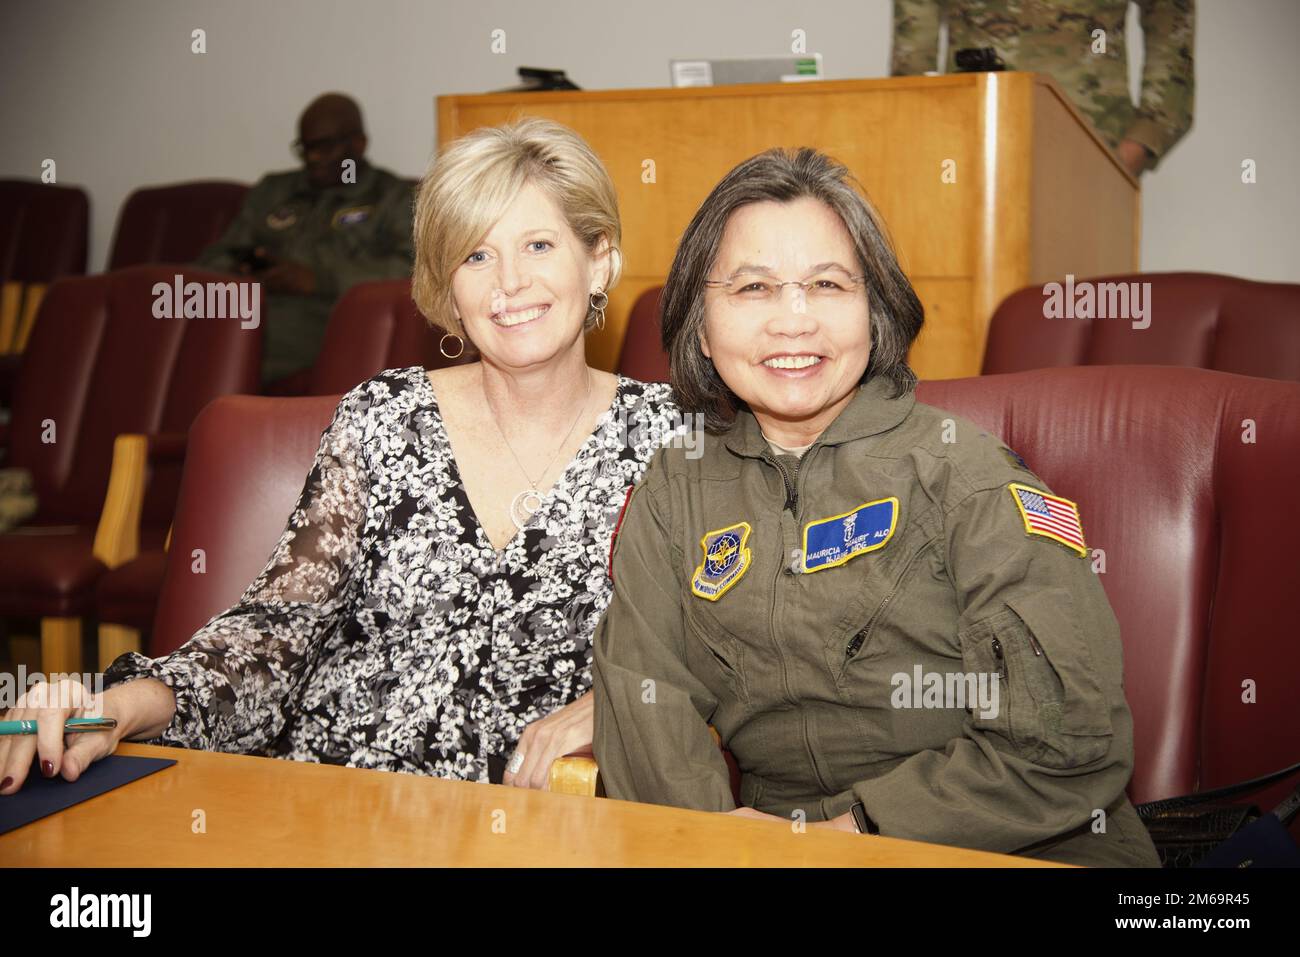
[349,233]
[714,620]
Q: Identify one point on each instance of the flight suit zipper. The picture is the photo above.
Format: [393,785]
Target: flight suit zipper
[857,641]
[791,483]
[1002,662]
[791,490]
[792,505]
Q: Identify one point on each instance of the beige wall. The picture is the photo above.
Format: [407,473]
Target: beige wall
[111,91]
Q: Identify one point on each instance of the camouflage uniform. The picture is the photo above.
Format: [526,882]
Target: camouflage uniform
[349,233]
[1055,37]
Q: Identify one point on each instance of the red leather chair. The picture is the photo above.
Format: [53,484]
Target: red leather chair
[44,231]
[1197,319]
[98,366]
[375,326]
[247,463]
[1198,529]
[173,224]
[643,355]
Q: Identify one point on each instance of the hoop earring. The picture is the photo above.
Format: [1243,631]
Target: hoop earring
[599,307]
[443,349]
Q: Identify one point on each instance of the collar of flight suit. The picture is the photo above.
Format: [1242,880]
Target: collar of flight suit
[870,412]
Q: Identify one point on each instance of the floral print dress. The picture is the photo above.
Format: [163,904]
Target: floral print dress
[385,630]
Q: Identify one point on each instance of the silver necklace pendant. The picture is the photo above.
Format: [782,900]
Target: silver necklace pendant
[525,506]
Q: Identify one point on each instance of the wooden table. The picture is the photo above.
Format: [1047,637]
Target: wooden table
[268,812]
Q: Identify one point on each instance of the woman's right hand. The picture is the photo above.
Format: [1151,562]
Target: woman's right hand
[50,705]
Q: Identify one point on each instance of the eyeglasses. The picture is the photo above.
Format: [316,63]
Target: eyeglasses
[326,144]
[830,287]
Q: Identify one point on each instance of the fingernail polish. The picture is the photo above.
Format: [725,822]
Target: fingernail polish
[7,782]
[47,768]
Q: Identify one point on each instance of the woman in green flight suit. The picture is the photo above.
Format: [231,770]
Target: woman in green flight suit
[887,617]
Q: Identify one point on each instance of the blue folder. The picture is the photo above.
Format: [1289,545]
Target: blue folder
[41,796]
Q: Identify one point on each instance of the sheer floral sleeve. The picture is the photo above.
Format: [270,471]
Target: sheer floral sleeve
[236,678]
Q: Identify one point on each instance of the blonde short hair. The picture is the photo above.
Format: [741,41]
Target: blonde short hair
[470,184]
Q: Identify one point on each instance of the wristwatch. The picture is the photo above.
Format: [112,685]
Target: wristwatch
[863,823]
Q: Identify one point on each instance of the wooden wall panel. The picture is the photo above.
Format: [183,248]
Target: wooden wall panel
[965,244]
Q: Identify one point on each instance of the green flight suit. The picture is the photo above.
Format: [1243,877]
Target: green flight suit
[349,233]
[1056,37]
[797,670]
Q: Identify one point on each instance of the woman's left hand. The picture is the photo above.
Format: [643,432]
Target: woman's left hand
[559,733]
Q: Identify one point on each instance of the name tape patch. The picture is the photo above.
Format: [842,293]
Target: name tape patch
[350,216]
[829,542]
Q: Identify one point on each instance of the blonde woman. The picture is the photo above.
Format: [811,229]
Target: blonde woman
[430,605]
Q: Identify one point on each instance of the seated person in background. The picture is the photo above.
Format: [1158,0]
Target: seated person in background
[1061,39]
[802,583]
[429,607]
[310,234]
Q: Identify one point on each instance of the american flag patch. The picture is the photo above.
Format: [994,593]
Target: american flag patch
[1049,515]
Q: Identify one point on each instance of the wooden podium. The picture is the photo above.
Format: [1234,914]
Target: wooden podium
[987,182]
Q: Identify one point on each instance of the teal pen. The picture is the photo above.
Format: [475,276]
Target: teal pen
[69,727]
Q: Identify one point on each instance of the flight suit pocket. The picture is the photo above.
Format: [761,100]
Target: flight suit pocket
[716,658]
[852,640]
[1051,707]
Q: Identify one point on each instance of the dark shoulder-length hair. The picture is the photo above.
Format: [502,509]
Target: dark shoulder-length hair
[782,176]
